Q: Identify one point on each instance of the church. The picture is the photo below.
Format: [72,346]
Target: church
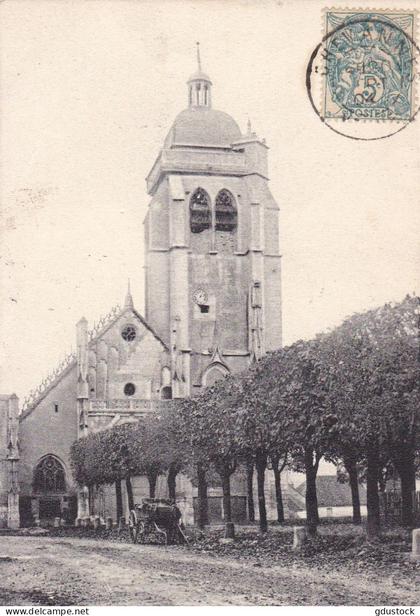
[212,306]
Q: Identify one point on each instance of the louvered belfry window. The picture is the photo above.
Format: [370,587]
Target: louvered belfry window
[49,476]
[226,215]
[200,214]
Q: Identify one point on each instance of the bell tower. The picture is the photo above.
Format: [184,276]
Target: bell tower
[213,271]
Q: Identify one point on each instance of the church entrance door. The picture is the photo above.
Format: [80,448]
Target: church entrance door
[49,508]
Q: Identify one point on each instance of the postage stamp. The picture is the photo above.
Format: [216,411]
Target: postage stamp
[369,65]
[365,71]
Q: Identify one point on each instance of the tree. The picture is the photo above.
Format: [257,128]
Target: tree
[189,422]
[296,386]
[260,426]
[209,420]
[146,451]
[220,405]
[278,462]
[173,451]
[374,391]
[103,458]
[249,466]
[395,329]
[348,457]
[347,354]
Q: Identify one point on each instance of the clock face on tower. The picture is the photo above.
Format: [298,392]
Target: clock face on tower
[200,296]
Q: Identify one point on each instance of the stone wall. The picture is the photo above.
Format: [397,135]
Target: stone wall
[224,264]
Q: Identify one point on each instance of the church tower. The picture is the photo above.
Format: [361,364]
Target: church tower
[213,273]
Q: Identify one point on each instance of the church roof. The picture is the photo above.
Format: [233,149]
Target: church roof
[201,126]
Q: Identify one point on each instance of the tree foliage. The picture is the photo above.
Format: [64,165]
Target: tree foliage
[350,395]
[97,458]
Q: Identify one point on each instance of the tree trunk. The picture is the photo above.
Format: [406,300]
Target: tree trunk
[203,509]
[152,478]
[91,497]
[118,496]
[250,491]
[373,512]
[227,505]
[311,500]
[261,464]
[172,473]
[129,492]
[351,468]
[406,470]
[279,495]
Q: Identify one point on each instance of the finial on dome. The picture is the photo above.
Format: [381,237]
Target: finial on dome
[128,298]
[199,85]
[248,126]
[198,56]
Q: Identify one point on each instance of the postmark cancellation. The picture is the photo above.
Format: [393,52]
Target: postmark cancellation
[369,65]
[366,68]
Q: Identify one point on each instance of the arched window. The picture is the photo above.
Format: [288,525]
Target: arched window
[165,376]
[214,373]
[200,215]
[226,214]
[49,476]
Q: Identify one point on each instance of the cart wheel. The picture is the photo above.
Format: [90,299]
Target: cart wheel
[161,532]
[133,526]
[181,536]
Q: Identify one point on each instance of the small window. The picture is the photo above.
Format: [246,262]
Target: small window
[204,308]
[200,215]
[129,389]
[226,214]
[166,393]
[55,407]
[129,333]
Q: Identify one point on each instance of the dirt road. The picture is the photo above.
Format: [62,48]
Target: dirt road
[55,571]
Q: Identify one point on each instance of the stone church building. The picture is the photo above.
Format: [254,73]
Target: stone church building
[212,306]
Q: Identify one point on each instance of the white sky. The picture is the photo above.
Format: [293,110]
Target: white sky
[89,91]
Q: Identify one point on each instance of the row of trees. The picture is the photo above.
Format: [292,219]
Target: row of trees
[350,396]
[125,451]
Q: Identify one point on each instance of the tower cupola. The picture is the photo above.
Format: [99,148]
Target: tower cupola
[199,86]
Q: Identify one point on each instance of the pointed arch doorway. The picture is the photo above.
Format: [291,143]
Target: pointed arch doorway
[49,491]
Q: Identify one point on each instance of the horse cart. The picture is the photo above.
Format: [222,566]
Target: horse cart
[156,517]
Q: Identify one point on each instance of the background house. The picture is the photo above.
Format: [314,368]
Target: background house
[334,498]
